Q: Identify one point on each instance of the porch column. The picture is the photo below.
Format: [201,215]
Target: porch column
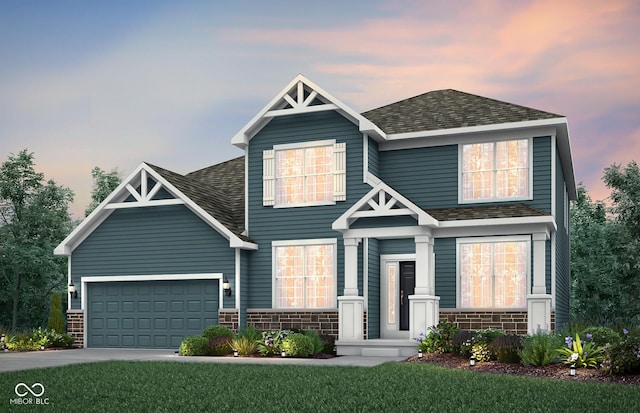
[351,305]
[539,302]
[424,306]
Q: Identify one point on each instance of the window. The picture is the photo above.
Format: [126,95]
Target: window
[493,274]
[495,171]
[305,274]
[310,173]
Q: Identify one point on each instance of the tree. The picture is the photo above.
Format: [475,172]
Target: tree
[605,251]
[56,319]
[34,218]
[103,184]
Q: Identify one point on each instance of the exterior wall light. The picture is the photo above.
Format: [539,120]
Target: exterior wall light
[472,361]
[73,293]
[226,287]
[572,370]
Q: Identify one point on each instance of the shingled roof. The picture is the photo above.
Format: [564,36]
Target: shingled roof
[447,109]
[218,189]
[485,212]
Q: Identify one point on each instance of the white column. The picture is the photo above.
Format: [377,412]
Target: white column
[350,266]
[539,263]
[424,305]
[425,280]
[351,305]
[539,302]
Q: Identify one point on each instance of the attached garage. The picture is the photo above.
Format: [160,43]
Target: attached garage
[148,313]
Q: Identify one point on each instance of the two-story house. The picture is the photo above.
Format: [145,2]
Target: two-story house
[369,227]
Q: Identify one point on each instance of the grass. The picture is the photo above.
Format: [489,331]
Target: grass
[170,386]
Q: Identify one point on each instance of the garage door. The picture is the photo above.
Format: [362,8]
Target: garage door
[149,314]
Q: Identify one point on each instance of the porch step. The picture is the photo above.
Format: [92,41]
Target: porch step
[380,352]
[376,348]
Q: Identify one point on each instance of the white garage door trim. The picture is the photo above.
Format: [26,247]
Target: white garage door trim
[161,277]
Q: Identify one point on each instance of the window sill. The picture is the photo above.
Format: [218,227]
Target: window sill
[302,205]
[493,200]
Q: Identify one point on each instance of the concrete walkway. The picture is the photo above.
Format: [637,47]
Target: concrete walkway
[10,361]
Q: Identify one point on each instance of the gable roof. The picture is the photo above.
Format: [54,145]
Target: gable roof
[205,195]
[302,96]
[214,189]
[448,109]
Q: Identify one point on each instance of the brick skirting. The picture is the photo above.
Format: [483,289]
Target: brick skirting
[511,322]
[325,322]
[228,317]
[75,326]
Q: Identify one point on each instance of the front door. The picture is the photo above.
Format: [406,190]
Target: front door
[407,287]
[398,283]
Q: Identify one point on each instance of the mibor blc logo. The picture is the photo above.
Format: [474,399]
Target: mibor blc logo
[29,394]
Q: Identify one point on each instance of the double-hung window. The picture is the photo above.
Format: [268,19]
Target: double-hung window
[304,174]
[493,274]
[304,273]
[495,171]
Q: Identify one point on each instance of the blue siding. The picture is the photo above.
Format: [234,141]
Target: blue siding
[267,224]
[373,310]
[563,256]
[445,251]
[397,246]
[374,162]
[151,241]
[429,176]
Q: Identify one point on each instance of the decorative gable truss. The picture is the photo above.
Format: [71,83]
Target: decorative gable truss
[383,201]
[301,98]
[339,174]
[143,190]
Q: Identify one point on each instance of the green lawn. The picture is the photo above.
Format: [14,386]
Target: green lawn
[119,386]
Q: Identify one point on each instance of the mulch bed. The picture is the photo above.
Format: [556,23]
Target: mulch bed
[551,371]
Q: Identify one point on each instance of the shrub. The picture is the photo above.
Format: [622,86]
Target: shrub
[250,333]
[219,346]
[297,345]
[507,348]
[218,331]
[316,341]
[56,319]
[581,353]
[623,357]
[329,344]
[462,342]
[480,348]
[51,338]
[439,339]
[23,342]
[245,346]
[601,336]
[194,346]
[539,349]
[271,342]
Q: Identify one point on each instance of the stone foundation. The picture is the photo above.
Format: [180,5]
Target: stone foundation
[511,322]
[325,322]
[75,326]
[228,317]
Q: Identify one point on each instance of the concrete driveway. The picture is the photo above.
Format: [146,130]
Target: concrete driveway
[10,361]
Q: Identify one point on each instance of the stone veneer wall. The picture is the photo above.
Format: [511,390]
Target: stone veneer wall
[511,322]
[75,326]
[325,322]
[228,318]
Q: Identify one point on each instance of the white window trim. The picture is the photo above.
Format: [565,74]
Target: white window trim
[565,196]
[477,240]
[529,197]
[300,145]
[299,243]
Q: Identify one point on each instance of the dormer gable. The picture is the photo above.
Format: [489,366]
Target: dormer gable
[302,96]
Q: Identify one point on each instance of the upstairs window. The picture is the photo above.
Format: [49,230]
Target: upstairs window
[312,173]
[496,171]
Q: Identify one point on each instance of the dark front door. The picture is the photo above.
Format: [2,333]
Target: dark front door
[407,287]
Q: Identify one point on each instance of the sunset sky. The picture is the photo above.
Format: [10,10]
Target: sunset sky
[115,83]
